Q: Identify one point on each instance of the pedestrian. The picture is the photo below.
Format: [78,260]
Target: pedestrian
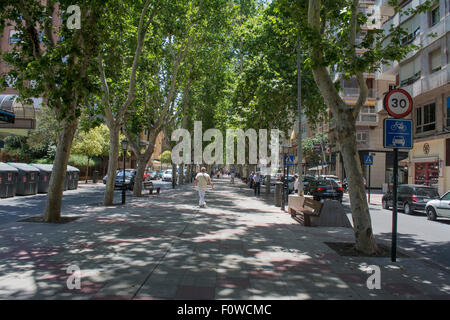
[257,183]
[232,177]
[251,179]
[296,183]
[202,179]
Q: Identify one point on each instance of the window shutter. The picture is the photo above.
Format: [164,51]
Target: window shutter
[435,60]
[406,71]
[417,66]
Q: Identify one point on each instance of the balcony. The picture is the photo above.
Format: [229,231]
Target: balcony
[428,83]
[354,93]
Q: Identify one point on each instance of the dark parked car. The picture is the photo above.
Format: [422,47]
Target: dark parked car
[410,197]
[129,179]
[307,183]
[325,189]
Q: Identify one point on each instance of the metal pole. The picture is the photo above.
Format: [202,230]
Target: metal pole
[287,185]
[394,209]
[299,111]
[123,183]
[283,199]
[369,182]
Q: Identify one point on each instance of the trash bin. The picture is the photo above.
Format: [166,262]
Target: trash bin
[278,193]
[45,171]
[27,180]
[95,176]
[73,175]
[8,180]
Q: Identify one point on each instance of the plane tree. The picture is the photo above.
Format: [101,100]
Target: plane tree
[52,59]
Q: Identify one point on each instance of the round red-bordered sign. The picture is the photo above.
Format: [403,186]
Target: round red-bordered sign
[398,103]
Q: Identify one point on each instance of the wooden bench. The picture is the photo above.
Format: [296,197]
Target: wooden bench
[310,208]
[148,185]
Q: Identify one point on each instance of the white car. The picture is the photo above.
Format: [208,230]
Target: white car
[439,207]
[398,141]
[167,175]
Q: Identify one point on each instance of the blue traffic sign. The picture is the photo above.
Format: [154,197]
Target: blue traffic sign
[289,160]
[398,134]
[368,160]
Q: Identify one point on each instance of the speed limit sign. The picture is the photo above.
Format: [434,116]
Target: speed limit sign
[398,103]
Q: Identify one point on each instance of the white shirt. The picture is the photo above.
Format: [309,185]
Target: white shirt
[203,179]
[296,184]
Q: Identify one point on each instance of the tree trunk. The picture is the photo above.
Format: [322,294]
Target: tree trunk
[112,165]
[365,241]
[174,175]
[87,170]
[52,211]
[142,163]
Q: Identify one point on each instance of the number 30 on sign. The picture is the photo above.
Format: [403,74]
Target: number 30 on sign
[398,103]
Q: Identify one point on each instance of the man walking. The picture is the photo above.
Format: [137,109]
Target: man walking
[257,183]
[202,179]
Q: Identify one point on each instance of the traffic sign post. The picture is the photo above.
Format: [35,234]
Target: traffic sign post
[397,135]
[290,160]
[368,161]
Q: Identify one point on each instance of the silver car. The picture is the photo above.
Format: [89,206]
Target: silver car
[438,207]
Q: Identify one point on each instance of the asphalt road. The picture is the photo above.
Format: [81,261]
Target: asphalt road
[414,232]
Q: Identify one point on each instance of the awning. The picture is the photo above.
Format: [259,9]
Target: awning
[426,159]
[318,168]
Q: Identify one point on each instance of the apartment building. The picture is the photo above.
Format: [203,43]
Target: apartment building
[25,114]
[424,73]
[369,123]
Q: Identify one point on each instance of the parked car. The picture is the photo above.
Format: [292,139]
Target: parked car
[307,183]
[129,179]
[326,189]
[106,177]
[167,175]
[410,197]
[438,207]
[332,177]
[154,175]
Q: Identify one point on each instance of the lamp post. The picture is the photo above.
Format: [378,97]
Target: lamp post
[285,150]
[124,144]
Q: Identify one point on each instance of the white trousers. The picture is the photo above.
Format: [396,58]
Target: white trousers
[201,194]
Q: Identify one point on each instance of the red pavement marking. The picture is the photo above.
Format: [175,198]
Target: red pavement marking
[352,278]
[401,288]
[233,282]
[110,297]
[195,292]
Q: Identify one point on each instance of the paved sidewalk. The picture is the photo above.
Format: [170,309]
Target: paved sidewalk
[165,247]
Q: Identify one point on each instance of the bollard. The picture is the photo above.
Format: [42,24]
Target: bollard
[278,193]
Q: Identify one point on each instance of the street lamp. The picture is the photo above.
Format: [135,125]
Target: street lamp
[124,148]
[285,150]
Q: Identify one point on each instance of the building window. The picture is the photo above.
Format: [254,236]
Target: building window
[392,87]
[435,60]
[13,36]
[367,114]
[412,27]
[448,111]
[427,174]
[435,16]
[362,137]
[426,118]
[410,72]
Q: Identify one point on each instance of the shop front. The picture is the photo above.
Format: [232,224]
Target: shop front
[427,164]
